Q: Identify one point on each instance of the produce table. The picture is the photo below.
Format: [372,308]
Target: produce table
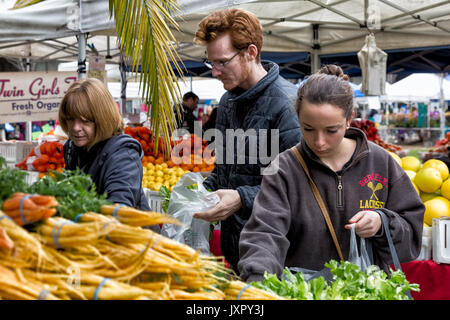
[433,279]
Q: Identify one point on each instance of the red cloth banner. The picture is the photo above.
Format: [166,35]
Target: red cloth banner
[433,279]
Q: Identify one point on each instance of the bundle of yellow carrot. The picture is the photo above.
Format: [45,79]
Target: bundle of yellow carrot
[27,208]
[136,217]
[89,286]
[14,286]
[239,290]
[63,233]
[101,258]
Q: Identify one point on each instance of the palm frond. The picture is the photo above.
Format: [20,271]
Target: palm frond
[24,3]
[149,46]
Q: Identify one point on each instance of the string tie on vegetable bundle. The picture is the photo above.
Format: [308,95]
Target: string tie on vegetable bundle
[242,291]
[43,294]
[56,230]
[78,216]
[5,216]
[116,211]
[106,226]
[100,286]
[22,216]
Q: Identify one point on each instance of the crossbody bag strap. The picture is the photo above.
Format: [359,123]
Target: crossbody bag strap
[319,199]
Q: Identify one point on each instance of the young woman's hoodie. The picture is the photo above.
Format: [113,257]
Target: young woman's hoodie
[287,227]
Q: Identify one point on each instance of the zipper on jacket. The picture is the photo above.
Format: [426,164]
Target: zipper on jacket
[339,190]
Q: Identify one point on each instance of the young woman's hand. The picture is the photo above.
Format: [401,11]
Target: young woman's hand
[367,223]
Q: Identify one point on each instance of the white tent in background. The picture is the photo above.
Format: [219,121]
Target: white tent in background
[419,86]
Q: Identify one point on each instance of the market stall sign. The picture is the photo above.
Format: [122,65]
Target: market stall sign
[32,96]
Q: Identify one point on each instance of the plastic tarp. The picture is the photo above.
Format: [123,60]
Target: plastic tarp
[288,25]
[341,25]
[419,86]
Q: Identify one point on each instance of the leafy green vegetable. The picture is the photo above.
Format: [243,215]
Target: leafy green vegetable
[349,283]
[11,180]
[164,192]
[74,190]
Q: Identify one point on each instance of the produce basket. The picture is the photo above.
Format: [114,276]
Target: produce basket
[441,243]
[154,200]
[23,148]
[8,151]
[14,152]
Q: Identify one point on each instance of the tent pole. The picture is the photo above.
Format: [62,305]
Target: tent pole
[315,59]
[123,85]
[28,124]
[442,104]
[81,56]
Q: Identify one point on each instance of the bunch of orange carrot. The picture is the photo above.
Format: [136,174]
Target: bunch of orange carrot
[27,208]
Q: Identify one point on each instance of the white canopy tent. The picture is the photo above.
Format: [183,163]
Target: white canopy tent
[46,30]
[419,86]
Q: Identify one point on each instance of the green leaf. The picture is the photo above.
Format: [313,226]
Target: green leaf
[147,42]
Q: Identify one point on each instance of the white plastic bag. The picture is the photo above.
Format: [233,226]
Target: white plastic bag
[188,197]
[363,259]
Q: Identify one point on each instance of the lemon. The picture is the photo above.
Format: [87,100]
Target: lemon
[440,165]
[150,185]
[396,158]
[445,189]
[424,196]
[159,173]
[159,179]
[411,174]
[410,163]
[436,208]
[166,184]
[157,186]
[428,180]
[150,166]
[151,178]
[164,165]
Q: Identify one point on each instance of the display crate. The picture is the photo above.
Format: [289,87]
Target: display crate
[441,240]
[14,152]
[23,149]
[427,244]
[8,151]
[154,200]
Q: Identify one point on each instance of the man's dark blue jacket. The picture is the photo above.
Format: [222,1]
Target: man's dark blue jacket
[268,105]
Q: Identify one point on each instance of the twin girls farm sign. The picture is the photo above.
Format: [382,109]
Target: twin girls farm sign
[32,96]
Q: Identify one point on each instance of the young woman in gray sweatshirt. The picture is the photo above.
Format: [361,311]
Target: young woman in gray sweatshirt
[354,177]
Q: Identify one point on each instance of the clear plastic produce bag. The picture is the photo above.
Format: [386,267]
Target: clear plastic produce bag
[362,260]
[188,197]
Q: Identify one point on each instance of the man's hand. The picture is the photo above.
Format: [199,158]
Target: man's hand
[230,202]
[367,223]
